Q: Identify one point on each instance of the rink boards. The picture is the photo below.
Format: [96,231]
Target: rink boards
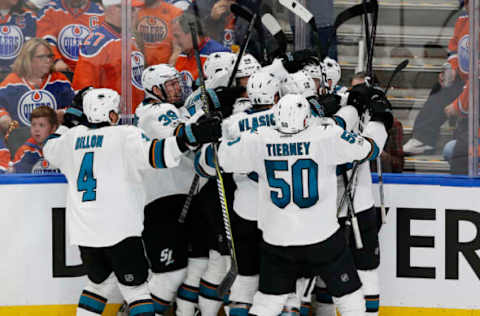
[429,247]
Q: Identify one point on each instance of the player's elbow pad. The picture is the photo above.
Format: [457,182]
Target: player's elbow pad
[204,162]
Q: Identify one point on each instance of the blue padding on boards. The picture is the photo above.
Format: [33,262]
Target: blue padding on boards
[29,178]
[428,179]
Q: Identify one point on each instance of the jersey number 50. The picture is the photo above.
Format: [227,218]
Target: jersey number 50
[85,180]
[296,189]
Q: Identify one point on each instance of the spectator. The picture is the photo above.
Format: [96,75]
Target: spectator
[32,83]
[30,156]
[186,63]
[35,5]
[19,27]
[436,109]
[5,121]
[4,156]
[65,24]
[100,61]
[154,30]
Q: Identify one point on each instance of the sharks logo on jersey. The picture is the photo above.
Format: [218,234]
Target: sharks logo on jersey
[11,41]
[33,99]
[70,38]
[152,29]
[138,63]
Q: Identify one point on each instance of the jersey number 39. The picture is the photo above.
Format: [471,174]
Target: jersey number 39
[86,183]
[296,189]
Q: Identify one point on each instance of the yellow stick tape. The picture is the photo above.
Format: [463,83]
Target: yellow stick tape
[51,310]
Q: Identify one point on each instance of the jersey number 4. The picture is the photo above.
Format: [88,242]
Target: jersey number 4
[86,183]
[296,190]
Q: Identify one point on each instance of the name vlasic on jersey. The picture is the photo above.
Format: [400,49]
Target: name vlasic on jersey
[15,29]
[19,98]
[100,63]
[66,28]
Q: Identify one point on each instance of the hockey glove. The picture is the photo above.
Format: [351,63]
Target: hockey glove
[295,61]
[380,108]
[330,103]
[227,97]
[192,135]
[359,97]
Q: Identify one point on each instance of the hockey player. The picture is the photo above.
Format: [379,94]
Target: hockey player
[65,24]
[296,244]
[100,59]
[17,26]
[166,240]
[154,29]
[94,159]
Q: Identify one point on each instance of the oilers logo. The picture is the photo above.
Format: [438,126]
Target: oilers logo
[152,29]
[228,37]
[70,38]
[137,69]
[464,54]
[33,99]
[42,166]
[11,41]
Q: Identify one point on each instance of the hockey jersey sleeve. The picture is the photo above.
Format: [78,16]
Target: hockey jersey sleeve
[144,153]
[453,44]
[157,120]
[347,146]
[54,149]
[239,155]
[4,156]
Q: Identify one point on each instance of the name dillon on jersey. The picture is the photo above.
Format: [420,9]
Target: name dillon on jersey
[85,142]
[289,149]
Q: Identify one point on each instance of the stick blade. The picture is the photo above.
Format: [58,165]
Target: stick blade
[402,65]
[241,11]
[271,24]
[226,283]
[297,9]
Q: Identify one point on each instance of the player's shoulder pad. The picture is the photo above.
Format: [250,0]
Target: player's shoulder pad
[213,46]
[101,37]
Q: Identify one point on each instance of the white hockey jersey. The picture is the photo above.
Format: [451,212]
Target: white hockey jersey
[297,178]
[159,120]
[105,197]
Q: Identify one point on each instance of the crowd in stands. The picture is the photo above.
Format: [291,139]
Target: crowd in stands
[51,48]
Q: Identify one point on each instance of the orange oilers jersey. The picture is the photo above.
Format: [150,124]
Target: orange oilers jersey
[153,28]
[458,47]
[100,63]
[66,28]
[4,156]
[187,65]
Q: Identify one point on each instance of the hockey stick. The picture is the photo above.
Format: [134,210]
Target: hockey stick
[243,46]
[227,282]
[247,15]
[383,211]
[299,10]
[272,25]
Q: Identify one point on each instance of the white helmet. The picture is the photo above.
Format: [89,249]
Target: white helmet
[158,75]
[218,62]
[299,82]
[98,103]
[262,87]
[292,114]
[333,71]
[248,66]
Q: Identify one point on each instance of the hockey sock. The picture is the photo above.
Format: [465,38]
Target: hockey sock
[94,296]
[305,308]
[91,304]
[350,304]
[371,290]
[241,294]
[268,305]
[187,295]
[292,306]
[208,300]
[138,298]
[163,287]
[324,305]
